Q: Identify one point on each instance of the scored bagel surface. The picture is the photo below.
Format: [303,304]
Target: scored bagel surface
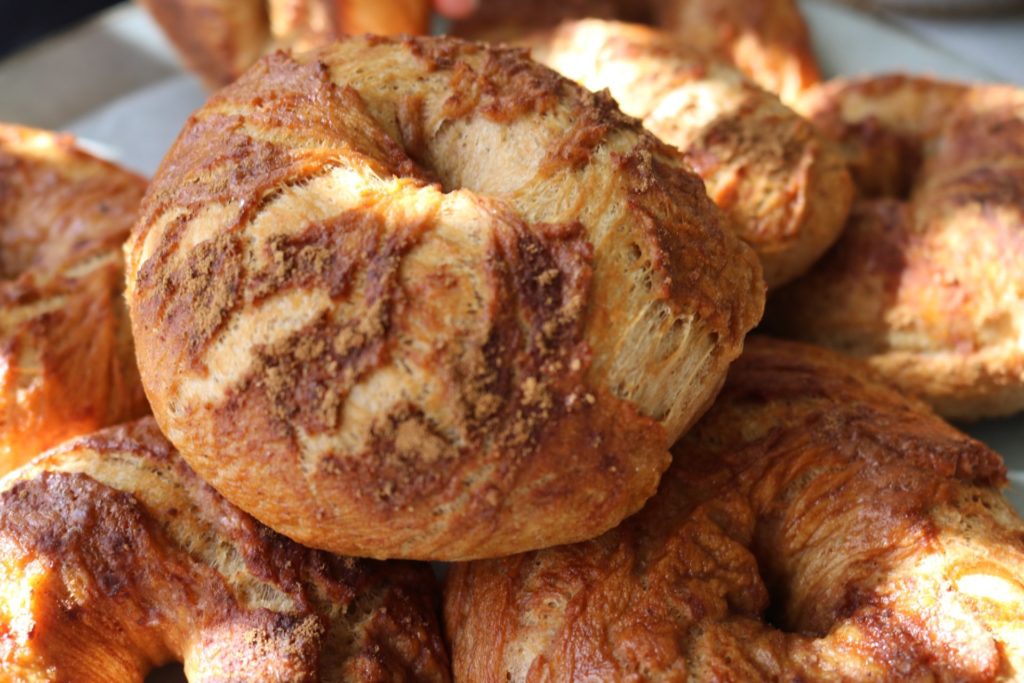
[116,558]
[426,298]
[815,525]
[67,365]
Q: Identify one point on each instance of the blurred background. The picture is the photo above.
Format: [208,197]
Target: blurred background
[26,22]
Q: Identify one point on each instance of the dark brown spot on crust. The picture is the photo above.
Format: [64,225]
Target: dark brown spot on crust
[505,86]
[596,116]
[194,300]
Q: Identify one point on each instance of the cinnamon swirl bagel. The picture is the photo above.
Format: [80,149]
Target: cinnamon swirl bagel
[765,39]
[304,24]
[784,188]
[216,39]
[66,361]
[115,558]
[219,39]
[815,525]
[927,281]
[425,298]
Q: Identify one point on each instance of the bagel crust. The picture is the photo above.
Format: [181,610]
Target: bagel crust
[67,365]
[927,280]
[302,24]
[115,558]
[216,39]
[784,188]
[765,39]
[425,298]
[870,533]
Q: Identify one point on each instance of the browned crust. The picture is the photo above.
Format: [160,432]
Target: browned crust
[815,526]
[783,187]
[766,39]
[67,357]
[471,351]
[303,24]
[927,282]
[217,39]
[133,561]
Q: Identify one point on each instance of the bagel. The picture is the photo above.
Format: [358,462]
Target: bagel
[784,189]
[304,24]
[67,365]
[216,39]
[424,298]
[115,558]
[765,39]
[219,39]
[815,525]
[927,280]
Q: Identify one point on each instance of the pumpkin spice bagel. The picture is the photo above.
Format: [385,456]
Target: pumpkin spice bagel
[783,187]
[814,526]
[927,280]
[115,558]
[426,298]
[66,361]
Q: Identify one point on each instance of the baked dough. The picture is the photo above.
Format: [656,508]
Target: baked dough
[425,298]
[784,188]
[304,24]
[115,558]
[765,39]
[217,39]
[815,525]
[927,281]
[67,365]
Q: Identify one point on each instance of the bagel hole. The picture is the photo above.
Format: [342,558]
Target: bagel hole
[169,673]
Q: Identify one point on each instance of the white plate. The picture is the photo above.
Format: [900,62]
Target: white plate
[138,128]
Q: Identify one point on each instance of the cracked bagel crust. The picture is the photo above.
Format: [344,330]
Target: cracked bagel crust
[815,525]
[116,558]
[927,281]
[67,365]
[426,298]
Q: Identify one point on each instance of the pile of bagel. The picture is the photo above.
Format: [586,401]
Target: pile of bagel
[490,300]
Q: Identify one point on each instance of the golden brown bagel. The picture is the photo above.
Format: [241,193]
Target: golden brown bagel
[428,299]
[217,39]
[66,361]
[815,525]
[115,558]
[927,281]
[784,189]
[508,21]
[766,39]
[304,24]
